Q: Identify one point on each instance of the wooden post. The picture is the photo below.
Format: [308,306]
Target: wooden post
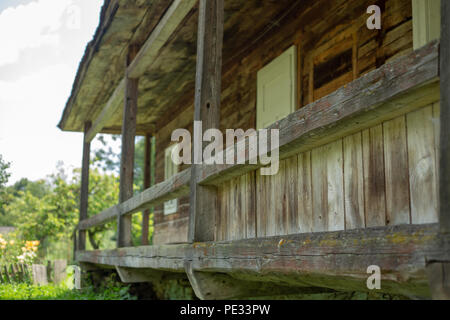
[128,146]
[59,271]
[444,175]
[439,271]
[203,200]
[84,192]
[147,184]
[39,274]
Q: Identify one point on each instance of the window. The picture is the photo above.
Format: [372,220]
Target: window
[426,21]
[170,169]
[277,89]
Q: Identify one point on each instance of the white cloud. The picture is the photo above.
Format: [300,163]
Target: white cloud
[33,94]
[30,26]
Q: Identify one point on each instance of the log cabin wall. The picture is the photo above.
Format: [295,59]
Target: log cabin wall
[334,48]
[385,175]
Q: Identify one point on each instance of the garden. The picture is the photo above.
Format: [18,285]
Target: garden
[43,215]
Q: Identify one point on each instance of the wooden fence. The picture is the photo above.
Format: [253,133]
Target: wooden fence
[37,273]
[15,273]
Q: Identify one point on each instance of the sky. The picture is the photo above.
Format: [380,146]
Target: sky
[41,45]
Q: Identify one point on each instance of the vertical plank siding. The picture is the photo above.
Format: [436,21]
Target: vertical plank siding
[374,180]
[354,182]
[422,166]
[396,172]
[337,34]
[384,175]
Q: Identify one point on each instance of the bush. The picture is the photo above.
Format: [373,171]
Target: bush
[14,250]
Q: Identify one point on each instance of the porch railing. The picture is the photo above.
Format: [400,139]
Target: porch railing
[394,89]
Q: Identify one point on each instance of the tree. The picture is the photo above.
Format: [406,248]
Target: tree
[109,161]
[37,189]
[4,174]
[44,211]
[48,211]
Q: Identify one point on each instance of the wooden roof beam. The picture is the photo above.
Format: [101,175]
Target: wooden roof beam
[143,60]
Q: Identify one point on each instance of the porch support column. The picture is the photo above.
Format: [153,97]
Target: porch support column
[203,200]
[128,146]
[84,192]
[439,271]
[147,184]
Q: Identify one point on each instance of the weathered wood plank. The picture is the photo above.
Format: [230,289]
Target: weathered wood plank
[305,212]
[335,171]
[422,166]
[444,139]
[319,189]
[437,133]
[84,190]
[127,158]
[203,199]
[251,203]
[337,260]
[365,102]
[39,274]
[354,182]
[328,188]
[290,197]
[277,221]
[261,204]
[374,182]
[59,271]
[396,172]
[440,269]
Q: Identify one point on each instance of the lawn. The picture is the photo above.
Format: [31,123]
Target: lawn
[25,291]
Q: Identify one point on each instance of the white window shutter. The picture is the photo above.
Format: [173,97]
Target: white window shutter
[426,21]
[277,89]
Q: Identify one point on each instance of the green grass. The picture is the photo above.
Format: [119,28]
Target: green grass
[51,292]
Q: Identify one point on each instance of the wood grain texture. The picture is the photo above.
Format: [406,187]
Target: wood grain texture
[328,189]
[305,211]
[374,181]
[127,157]
[203,199]
[396,172]
[337,260]
[369,100]
[354,182]
[422,166]
[444,139]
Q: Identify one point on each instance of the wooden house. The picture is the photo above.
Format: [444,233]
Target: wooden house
[363,176]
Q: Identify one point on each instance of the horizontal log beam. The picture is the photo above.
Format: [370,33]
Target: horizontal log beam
[334,260]
[144,58]
[175,187]
[396,88]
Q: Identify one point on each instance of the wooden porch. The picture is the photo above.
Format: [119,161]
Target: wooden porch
[363,181]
